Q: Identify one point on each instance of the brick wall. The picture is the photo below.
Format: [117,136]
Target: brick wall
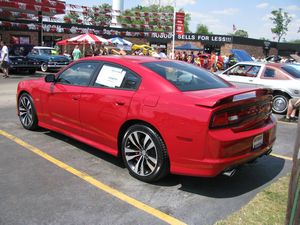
[256,51]
[179,43]
[225,49]
[6,36]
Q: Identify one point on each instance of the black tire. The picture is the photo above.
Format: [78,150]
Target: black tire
[44,67]
[27,112]
[280,103]
[144,153]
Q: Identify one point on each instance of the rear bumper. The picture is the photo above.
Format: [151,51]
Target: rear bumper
[226,150]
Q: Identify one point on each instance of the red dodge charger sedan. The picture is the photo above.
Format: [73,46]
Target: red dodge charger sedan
[161,116]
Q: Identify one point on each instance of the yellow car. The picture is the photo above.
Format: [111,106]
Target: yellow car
[144,48]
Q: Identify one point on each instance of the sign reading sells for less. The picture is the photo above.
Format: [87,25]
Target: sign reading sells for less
[179,23]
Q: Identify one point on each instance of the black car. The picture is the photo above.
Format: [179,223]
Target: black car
[18,60]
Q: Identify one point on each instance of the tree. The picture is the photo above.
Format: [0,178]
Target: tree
[202,29]
[241,33]
[297,41]
[264,39]
[281,21]
[71,17]
[99,15]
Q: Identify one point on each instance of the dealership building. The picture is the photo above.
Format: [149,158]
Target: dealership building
[15,28]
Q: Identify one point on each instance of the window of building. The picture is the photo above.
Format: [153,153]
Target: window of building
[16,39]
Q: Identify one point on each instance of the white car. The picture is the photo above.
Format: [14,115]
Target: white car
[283,79]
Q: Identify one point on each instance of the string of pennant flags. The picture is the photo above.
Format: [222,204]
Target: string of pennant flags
[77,30]
[57,7]
[16,10]
[27,16]
[33,26]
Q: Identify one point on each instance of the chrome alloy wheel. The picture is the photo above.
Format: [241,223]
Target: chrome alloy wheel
[141,153]
[25,111]
[280,104]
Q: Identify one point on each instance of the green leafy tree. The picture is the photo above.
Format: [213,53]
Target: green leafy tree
[264,39]
[202,29]
[100,15]
[281,21]
[297,41]
[241,33]
[71,17]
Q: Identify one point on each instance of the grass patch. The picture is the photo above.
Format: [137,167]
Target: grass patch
[267,207]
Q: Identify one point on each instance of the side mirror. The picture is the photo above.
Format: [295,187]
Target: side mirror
[50,78]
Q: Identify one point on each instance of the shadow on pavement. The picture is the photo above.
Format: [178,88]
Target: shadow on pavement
[248,177]
[117,161]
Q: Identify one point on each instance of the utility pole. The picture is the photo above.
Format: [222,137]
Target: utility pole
[293,207]
[174,22]
[40,31]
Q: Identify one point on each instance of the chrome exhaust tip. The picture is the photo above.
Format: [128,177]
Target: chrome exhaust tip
[229,173]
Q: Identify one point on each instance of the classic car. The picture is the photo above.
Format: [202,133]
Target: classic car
[284,79]
[160,116]
[144,48]
[47,59]
[18,60]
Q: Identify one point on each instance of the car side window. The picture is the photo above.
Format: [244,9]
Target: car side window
[269,73]
[34,52]
[113,76]
[253,71]
[238,70]
[78,74]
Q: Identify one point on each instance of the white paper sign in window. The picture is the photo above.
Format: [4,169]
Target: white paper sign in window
[110,76]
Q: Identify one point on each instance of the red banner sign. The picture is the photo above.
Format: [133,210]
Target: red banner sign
[179,23]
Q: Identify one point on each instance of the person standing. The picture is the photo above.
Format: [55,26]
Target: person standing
[76,53]
[294,105]
[4,60]
[213,62]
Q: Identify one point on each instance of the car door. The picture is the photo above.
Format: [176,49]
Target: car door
[64,96]
[104,105]
[243,75]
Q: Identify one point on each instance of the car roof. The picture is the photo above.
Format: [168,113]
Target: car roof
[126,58]
[43,47]
[252,63]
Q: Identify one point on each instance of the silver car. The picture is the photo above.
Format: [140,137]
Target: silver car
[284,79]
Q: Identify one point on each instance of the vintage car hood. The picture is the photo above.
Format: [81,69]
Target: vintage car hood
[241,55]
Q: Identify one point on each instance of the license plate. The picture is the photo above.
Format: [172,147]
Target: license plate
[258,141]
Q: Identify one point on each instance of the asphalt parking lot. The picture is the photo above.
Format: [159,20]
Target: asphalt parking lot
[48,178]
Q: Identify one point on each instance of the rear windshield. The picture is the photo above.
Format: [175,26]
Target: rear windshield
[186,77]
[293,70]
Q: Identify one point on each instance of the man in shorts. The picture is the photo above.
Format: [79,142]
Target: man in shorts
[4,60]
[294,104]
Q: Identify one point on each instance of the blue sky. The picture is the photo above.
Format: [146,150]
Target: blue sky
[219,15]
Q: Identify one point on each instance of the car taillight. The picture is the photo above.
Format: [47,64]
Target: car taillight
[237,115]
[224,119]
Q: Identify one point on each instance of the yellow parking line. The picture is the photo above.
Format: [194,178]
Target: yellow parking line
[148,209]
[282,156]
